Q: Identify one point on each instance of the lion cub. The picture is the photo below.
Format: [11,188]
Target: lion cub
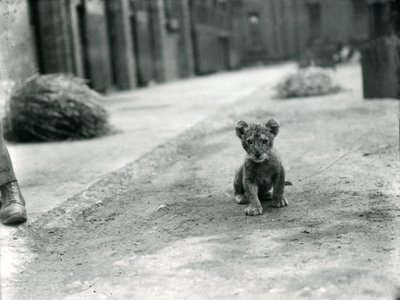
[262,169]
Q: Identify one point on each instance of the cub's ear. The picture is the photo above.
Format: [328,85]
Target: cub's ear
[240,128]
[273,126]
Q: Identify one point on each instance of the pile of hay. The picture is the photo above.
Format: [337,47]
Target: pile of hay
[52,108]
[306,82]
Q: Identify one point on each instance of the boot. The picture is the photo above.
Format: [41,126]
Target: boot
[12,210]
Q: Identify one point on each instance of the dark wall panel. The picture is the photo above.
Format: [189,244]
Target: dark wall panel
[121,46]
[97,46]
[56,48]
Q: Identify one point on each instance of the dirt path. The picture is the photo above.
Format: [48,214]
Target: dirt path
[167,227]
[61,169]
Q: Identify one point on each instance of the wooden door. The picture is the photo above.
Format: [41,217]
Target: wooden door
[55,49]
[140,26]
[121,44]
[96,45]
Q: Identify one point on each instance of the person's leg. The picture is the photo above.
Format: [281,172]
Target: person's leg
[6,170]
[12,208]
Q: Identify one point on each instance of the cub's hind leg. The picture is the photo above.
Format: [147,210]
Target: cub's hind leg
[265,196]
[240,196]
[265,191]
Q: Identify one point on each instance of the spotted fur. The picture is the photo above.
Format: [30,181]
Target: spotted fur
[262,170]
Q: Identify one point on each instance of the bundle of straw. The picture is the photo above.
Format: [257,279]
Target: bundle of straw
[54,107]
[312,81]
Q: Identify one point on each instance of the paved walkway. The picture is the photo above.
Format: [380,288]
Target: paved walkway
[50,173]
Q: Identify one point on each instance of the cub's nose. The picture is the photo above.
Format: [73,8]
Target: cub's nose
[257,154]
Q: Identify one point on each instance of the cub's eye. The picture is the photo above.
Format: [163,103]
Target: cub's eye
[265,141]
[249,141]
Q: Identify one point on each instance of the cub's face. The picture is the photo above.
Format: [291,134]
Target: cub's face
[257,139]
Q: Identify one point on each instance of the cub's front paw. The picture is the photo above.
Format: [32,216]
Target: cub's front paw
[241,199]
[253,210]
[279,201]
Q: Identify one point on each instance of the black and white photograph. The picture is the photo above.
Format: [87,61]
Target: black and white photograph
[199,149]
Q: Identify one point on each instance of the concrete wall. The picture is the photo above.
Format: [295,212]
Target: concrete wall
[170,35]
[344,20]
[285,30]
[175,39]
[185,56]
[281,29]
[121,44]
[216,35]
[169,44]
[17,50]
[337,20]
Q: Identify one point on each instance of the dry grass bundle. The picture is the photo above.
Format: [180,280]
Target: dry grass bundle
[306,82]
[52,108]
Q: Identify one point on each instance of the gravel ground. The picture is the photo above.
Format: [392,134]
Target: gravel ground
[167,226]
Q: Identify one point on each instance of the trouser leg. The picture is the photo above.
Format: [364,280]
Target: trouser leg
[6,168]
